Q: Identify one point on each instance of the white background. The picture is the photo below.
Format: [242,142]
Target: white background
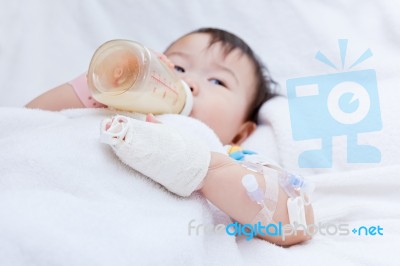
[45,43]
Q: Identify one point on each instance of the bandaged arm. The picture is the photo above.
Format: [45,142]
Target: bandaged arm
[183,164]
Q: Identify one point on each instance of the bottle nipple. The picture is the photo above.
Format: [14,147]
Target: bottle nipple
[116,70]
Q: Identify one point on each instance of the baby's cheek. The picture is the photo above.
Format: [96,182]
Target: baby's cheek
[215,121]
[219,116]
[226,129]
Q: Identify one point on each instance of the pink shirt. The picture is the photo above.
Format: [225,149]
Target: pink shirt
[82,91]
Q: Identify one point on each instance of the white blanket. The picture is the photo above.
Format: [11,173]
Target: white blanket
[65,199]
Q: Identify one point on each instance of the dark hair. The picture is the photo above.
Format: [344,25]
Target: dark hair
[264,82]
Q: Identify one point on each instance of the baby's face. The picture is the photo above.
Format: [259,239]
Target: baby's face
[222,86]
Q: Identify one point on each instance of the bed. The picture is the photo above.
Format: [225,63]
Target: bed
[65,199]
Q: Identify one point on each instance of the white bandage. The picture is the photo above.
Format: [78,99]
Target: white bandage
[171,158]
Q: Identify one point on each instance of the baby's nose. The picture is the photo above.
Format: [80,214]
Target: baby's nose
[192,85]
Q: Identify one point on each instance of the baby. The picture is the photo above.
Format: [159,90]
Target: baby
[229,85]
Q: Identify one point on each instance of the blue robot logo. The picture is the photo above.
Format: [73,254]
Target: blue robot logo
[344,103]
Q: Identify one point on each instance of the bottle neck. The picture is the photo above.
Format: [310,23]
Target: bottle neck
[187,108]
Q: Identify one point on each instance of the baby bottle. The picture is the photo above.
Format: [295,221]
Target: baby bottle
[128,76]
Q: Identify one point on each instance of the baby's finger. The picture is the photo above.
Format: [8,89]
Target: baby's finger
[150,118]
[165,59]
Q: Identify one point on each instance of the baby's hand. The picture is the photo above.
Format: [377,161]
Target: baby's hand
[114,130]
[165,59]
[173,159]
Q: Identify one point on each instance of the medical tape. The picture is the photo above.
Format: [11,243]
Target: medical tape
[266,214]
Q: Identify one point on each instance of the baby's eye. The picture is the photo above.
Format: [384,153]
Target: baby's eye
[179,69]
[218,82]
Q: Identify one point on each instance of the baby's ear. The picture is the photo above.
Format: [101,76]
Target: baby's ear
[245,131]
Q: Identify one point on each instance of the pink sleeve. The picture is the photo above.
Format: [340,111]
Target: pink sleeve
[82,91]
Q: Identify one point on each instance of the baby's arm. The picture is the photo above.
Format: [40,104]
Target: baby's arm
[223,187]
[59,98]
[74,94]
[183,164]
